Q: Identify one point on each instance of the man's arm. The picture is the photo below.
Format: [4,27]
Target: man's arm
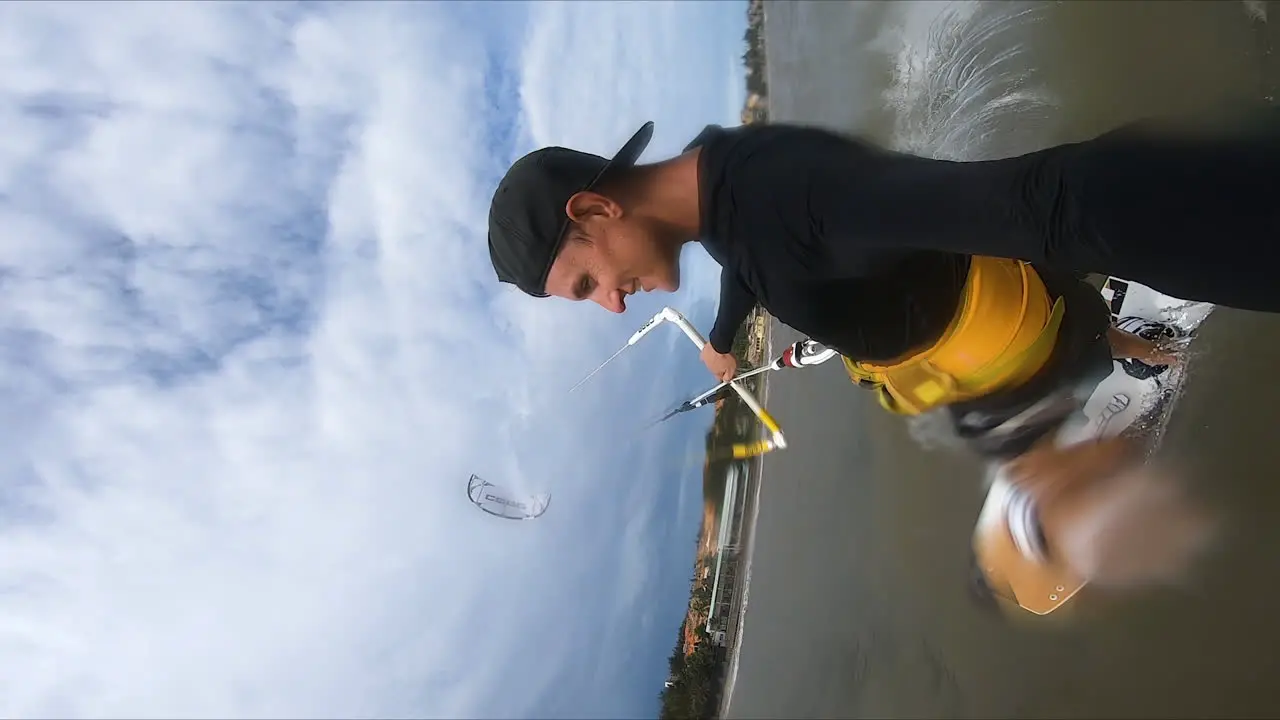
[868,208]
[736,301]
[814,197]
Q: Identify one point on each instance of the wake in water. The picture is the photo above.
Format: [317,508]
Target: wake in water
[1255,10]
[962,86]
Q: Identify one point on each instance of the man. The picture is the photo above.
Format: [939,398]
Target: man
[791,213]
[869,251]
[945,285]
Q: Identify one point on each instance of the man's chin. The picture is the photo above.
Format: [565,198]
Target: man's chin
[673,281]
[668,285]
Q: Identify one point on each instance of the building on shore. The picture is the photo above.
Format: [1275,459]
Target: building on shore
[724,577]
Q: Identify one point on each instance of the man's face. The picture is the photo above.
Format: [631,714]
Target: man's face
[610,255]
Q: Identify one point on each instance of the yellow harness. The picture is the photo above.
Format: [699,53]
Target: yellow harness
[1002,334]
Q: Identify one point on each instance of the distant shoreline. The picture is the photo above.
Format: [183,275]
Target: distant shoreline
[756,110]
[701,679]
[729,668]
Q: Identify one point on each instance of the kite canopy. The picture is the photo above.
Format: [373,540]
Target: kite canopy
[503,503]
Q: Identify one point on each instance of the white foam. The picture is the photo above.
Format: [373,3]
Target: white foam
[960,74]
[1255,10]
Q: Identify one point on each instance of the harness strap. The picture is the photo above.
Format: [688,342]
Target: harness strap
[917,385]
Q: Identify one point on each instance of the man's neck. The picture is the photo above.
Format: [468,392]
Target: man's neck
[670,195]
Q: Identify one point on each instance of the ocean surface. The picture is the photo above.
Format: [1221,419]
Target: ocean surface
[857,602]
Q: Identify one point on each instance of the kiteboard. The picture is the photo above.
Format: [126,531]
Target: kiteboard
[1136,397]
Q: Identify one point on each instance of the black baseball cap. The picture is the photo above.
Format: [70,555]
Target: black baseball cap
[527,220]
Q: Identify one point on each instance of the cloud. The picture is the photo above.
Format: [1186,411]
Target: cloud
[251,349]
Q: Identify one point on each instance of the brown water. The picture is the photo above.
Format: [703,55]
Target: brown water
[857,604]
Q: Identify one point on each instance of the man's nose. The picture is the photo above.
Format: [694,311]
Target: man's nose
[613,301]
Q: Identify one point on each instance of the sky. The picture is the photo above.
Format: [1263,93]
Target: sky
[251,349]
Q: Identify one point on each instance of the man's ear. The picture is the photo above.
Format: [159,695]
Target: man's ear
[585,204]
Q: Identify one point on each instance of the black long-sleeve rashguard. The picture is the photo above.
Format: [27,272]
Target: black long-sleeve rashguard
[756,223]
[866,249]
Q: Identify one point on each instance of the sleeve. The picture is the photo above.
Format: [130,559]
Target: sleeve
[736,302]
[869,208]
[831,206]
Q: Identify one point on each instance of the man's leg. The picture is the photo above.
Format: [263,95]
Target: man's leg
[1127,346]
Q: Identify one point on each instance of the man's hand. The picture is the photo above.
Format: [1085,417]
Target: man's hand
[723,366]
[1048,471]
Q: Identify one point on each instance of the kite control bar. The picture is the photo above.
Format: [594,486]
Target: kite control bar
[776,439]
[801,353]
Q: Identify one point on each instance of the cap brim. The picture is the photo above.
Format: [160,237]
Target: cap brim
[628,154]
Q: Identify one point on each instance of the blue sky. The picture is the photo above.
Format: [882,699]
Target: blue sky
[251,348]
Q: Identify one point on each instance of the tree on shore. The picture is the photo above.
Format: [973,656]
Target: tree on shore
[694,682]
[695,687]
[754,57]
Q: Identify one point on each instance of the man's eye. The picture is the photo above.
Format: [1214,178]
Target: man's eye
[584,287]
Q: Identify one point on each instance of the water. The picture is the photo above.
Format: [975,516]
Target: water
[858,604]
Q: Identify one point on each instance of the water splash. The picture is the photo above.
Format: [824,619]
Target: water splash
[960,76]
[1255,10]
